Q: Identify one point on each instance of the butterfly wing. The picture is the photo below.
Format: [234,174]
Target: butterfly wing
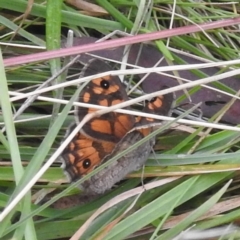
[106,91]
[160,105]
[83,154]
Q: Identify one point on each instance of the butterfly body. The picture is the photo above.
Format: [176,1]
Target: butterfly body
[106,136]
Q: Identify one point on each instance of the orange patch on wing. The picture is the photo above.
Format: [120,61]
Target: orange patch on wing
[119,131]
[84,143]
[103,102]
[112,89]
[108,147]
[97,81]
[108,77]
[125,120]
[138,119]
[88,152]
[98,90]
[102,126]
[150,119]
[91,110]
[156,104]
[122,125]
[117,101]
[86,97]
[145,131]
[71,158]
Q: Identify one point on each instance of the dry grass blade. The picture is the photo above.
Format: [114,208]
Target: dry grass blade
[119,199]
[90,8]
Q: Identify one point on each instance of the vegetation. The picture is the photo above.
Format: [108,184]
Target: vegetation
[195,165]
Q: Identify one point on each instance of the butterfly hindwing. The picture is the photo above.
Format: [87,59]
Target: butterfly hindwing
[83,154]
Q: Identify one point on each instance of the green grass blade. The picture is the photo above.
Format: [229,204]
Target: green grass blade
[194,215]
[28,227]
[67,17]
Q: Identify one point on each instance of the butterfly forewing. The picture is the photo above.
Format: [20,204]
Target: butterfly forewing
[106,91]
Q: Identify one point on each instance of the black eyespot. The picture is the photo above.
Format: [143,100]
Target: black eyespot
[104,84]
[86,163]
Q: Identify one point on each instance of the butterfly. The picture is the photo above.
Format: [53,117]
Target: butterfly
[105,136]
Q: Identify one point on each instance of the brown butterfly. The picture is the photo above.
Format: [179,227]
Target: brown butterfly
[105,136]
